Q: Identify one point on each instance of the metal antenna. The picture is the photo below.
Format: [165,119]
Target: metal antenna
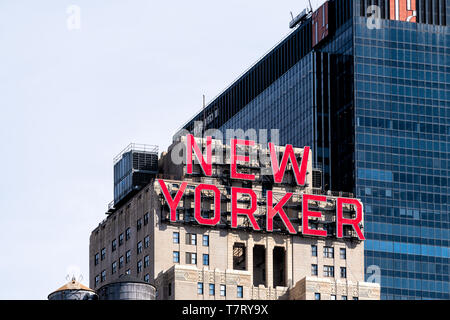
[310,6]
[204,122]
[73,277]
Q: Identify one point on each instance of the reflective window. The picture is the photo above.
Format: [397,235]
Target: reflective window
[205,240]
[200,288]
[328,271]
[240,291]
[176,237]
[328,252]
[176,256]
[314,250]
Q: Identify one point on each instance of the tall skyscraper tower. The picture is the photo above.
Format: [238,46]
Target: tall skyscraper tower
[366,84]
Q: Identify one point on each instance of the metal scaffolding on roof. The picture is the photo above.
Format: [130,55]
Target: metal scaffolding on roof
[137,147]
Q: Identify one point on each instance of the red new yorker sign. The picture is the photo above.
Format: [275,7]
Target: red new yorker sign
[273,209]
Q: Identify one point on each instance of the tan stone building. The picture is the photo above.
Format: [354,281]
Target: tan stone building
[186,260]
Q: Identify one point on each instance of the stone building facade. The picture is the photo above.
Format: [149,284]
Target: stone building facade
[186,260]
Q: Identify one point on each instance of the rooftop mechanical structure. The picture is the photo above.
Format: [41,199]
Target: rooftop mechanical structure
[134,167]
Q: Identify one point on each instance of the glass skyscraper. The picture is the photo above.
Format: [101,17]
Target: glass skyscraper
[370,93]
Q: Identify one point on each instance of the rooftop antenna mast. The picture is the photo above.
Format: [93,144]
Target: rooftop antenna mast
[301,17]
[72,277]
[204,122]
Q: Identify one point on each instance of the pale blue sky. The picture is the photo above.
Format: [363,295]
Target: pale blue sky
[70,100]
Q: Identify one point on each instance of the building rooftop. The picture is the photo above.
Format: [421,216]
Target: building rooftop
[128,279]
[137,147]
[73,285]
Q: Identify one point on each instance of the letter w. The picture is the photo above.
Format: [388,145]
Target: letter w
[278,172]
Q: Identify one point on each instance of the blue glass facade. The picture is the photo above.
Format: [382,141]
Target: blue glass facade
[402,99]
[287,105]
[374,105]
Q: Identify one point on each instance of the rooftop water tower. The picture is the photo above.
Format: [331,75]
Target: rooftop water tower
[127,288]
[73,290]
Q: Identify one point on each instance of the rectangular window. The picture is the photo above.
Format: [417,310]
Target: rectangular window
[355,298]
[176,237]
[333,297]
[139,266]
[176,256]
[206,240]
[120,239]
[328,271]
[240,291]
[139,247]
[147,278]
[199,287]
[96,258]
[128,234]
[212,289]
[139,224]
[343,272]
[114,267]
[120,262]
[223,290]
[191,258]
[128,256]
[206,259]
[314,270]
[343,253]
[317,296]
[344,297]
[146,261]
[313,250]
[147,242]
[97,280]
[146,216]
[103,254]
[103,276]
[128,271]
[328,252]
[114,245]
[191,238]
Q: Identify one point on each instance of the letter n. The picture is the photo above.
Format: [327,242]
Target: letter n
[205,165]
